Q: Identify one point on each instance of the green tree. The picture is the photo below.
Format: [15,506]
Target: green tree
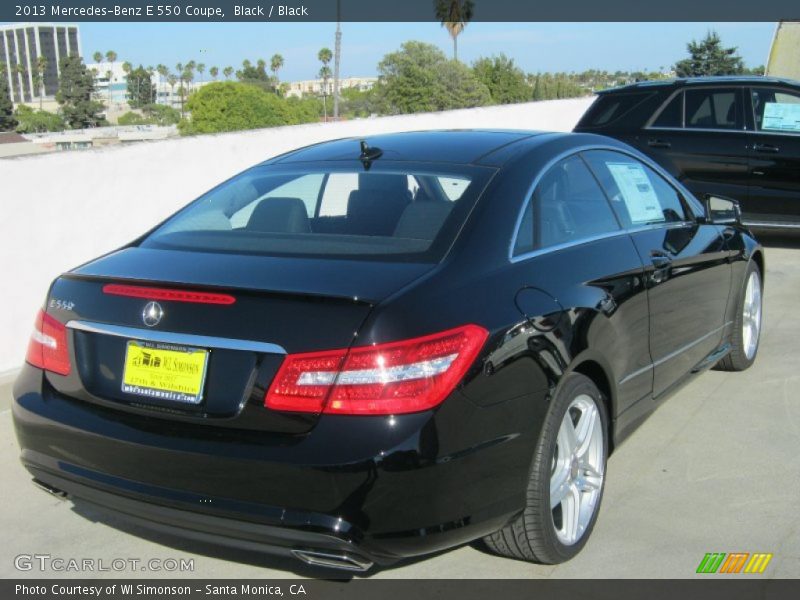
[454,16]
[133,118]
[227,72]
[459,88]
[234,106]
[7,120]
[37,121]
[250,73]
[419,78]
[75,92]
[201,68]
[358,103]
[161,114]
[506,82]
[214,72]
[141,90]
[709,57]
[304,110]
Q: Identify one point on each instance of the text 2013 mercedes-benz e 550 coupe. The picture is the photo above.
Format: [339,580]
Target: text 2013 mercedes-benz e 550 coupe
[367,350]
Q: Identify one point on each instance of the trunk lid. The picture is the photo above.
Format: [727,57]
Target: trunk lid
[282,305]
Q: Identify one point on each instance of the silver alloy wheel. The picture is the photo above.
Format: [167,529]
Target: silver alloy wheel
[577,470]
[751,315]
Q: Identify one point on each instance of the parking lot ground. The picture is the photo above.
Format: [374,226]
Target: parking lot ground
[715,469]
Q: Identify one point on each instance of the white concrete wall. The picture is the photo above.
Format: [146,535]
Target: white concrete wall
[60,210]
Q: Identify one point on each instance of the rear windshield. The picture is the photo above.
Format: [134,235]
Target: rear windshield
[406,214]
[610,107]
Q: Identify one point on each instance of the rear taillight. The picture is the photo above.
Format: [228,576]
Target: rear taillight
[48,348]
[394,378]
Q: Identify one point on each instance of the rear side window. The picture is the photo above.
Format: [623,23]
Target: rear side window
[610,107]
[672,114]
[639,195]
[713,109]
[411,214]
[776,110]
[567,205]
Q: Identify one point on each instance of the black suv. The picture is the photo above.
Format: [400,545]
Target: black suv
[733,136]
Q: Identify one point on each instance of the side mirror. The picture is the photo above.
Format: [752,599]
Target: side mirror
[721,210]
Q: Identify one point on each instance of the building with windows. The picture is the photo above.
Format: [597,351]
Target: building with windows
[21,45]
[315,87]
[110,81]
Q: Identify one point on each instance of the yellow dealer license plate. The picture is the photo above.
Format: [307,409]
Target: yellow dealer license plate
[165,372]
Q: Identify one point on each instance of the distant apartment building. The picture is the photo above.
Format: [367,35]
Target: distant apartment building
[21,44]
[110,81]
[315,86]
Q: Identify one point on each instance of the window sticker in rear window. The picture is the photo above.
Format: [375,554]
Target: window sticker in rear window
[781,116]
[637,192]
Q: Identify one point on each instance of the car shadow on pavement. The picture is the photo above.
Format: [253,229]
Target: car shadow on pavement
[197,548]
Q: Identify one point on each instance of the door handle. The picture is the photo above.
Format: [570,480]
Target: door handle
[662,264]
[661,261]
[766,148]
[656,143]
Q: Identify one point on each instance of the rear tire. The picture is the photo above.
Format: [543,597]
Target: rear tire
[566,480]
[747,324]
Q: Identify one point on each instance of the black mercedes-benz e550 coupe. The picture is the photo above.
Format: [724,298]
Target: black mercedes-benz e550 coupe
[373,349]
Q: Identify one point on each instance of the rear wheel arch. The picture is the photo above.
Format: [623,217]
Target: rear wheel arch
[758,258]
[599,376]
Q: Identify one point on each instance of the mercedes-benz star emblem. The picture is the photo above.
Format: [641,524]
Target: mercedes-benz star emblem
[152,314]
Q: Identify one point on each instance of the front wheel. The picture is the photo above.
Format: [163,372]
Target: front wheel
[566,480]
[747,324]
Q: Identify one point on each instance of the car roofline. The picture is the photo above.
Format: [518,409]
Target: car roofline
[690,81]
[523,135]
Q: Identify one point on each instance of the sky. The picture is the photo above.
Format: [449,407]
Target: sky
[533,46]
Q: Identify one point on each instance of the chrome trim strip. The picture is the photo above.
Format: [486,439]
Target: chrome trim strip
[183,339]
[771,225]
[672,355]
[690,199]
[700,129]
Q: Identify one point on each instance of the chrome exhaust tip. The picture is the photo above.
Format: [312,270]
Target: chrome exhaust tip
[53,491]
[333,560]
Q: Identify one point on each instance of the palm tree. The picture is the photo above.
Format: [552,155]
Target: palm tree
[163,73]
[337,59]
[172,80]
[325,55]
[111,58]
[454,15]
[227,72]
[186,78]
[21,73]
[201,67]
[98,57]
[275,65]
[214,72]
[38,77]
[127,68]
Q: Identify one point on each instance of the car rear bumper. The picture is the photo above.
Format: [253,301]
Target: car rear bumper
[371,490]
